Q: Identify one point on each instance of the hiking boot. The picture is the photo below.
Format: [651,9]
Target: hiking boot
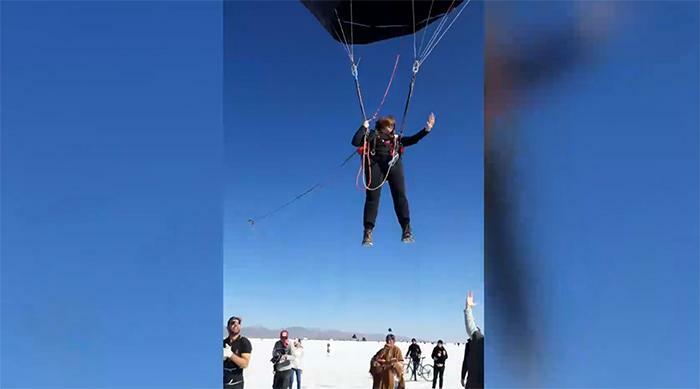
[406,235]
[367,238]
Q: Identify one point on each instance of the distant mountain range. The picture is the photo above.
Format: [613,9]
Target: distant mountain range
[321,334]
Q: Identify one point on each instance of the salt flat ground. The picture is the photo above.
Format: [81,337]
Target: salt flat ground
[346,367]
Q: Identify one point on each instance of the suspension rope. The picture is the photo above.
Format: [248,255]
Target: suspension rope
[425,31]
[346,46]
[352,39]
[437,31]
[444,32]
[416,67]
[413,11]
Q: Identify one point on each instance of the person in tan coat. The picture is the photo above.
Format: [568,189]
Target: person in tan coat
[386,365]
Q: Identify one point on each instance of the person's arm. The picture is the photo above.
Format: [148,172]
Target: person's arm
[360,134]
[277,351]
[241,361]
[469,322]
[413,139]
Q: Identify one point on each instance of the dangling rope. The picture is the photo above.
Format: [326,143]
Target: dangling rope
[252,221]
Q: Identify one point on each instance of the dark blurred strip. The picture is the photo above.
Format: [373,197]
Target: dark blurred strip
[591,194]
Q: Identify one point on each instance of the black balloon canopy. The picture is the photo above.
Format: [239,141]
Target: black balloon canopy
[374,21]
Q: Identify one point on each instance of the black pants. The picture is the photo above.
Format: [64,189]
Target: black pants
[416,366]
[282,380]
[438,371]
[232,381]
[374,174]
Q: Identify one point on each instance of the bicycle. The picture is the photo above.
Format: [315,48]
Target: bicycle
[425,371]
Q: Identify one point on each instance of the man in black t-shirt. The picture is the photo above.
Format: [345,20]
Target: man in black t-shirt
[237,351]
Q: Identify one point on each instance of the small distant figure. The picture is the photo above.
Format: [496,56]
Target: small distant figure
[439,357]
[328,349]
[364,339]
[414,352]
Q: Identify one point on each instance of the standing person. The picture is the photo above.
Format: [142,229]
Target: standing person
[328,349]
[414,352]
[474,352]
[282,362]
[439,357]
[298,354]
[385,163]
[386,365]
[237,351]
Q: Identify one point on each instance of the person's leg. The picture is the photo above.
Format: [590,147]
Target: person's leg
[442,374]
[376,381]
[298,378]
[435,375]
[415,369]
[288,379]
[397,184]
[374,176]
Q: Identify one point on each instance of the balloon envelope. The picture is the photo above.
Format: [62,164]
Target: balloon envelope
[372,21]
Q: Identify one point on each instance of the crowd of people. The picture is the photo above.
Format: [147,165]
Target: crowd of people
[386,365]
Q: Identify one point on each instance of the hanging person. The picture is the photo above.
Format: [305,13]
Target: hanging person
[383,149]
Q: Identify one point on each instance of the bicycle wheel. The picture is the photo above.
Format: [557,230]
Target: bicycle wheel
[427,372]
[408,369]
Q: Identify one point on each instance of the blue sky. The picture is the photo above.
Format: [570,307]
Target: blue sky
[111,194]
[289,112]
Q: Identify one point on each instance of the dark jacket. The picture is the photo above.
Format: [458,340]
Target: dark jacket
[474,361]
[439,355]
[414,351]
[465,360]
[280,357]
[382,143]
